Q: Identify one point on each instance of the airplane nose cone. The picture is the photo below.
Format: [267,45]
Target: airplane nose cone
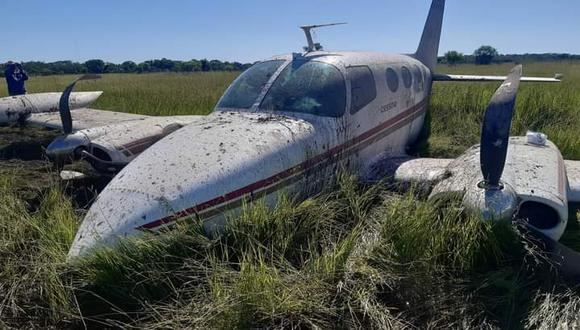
[101,225]
[205,170]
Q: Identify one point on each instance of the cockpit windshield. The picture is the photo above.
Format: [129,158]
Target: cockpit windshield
[245,90]
[311,87]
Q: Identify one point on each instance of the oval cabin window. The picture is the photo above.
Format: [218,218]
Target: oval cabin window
[407,78]
[417,79]
[392,80]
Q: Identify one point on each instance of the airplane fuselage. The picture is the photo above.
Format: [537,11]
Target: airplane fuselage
[287,125]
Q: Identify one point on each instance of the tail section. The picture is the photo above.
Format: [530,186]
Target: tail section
[429,46]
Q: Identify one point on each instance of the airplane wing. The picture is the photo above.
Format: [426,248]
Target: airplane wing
[84,118]
[453,77]
[19,107]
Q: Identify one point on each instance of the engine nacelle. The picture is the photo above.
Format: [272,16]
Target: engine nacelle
[114,146]
[535,173]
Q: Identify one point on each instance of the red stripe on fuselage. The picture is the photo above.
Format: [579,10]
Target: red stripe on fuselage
[289,172]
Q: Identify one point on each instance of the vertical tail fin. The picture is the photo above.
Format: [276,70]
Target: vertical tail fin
[429,46]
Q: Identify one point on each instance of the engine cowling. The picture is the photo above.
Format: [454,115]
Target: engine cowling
[536,174]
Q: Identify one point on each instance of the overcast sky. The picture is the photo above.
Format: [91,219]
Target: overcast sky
[249,30]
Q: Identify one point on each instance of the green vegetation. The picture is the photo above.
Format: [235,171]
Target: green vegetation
[100,66]
[161,94]
[453,57]
[457,108]
[450,57]
[354,256]
[485,54]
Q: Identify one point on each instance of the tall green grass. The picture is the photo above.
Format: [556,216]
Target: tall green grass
[160,94]
[353,257]
[554,109]
[456,108]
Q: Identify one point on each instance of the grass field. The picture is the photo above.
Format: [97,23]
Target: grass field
[356,256]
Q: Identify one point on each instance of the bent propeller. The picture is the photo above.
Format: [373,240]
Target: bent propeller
[63,104]
[65,145]
[496,129]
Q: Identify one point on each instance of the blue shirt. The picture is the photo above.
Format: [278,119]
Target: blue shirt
[15,81]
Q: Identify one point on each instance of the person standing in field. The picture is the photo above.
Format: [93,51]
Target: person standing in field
[15,78]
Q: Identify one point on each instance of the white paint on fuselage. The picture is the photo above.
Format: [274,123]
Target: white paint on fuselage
[209,167]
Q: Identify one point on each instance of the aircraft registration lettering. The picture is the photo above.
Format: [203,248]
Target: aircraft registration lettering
[388,107]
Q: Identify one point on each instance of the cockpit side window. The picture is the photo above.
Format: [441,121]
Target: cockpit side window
[362,87]
[244,91]
[306,86]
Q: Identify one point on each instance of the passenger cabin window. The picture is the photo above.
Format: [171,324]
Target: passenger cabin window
[407,78]
[417,79]
[392,80]
[311,87]
[245,90]
[362,87]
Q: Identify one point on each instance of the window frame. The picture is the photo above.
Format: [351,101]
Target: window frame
[352,110]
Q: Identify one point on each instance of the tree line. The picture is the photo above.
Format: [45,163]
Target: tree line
[487,54]
[482,55]
[157,65]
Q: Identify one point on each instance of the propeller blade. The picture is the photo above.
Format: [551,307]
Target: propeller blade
[496,128]
[565,260]
[63,104]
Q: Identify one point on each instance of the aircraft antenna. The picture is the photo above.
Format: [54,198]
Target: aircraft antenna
[308,32]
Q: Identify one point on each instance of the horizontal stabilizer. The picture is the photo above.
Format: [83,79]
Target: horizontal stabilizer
[452,77]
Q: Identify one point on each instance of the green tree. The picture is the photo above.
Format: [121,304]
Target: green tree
[143,67]
[485,54]
[112,68]
[95,66]
[453,57]
[128,66]
[204,65]
[190,66]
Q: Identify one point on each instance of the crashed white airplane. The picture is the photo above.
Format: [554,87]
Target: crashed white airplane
[289,124]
